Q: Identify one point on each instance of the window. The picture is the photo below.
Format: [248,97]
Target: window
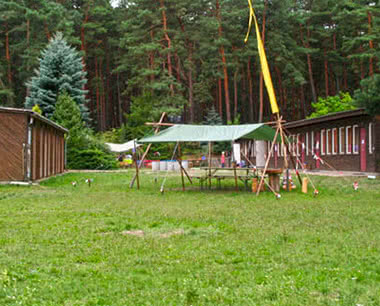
[334,141]
[328,142]
[348,139]
[307,143]
[355,139]
[312,142]
[323,142]
[370,141]
[342,140]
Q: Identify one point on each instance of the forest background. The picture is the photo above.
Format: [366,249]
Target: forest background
[186,57]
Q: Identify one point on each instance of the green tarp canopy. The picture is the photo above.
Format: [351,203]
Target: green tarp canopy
[212,133]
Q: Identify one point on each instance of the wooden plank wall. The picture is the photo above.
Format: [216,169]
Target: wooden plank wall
[48,151]
[12,138]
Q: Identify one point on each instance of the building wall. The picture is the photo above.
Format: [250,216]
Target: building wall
[12,153]
[340,161]
[46,154]
[48,151]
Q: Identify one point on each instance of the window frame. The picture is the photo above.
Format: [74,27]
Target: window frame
[328,149]
[355,146]
[335,138]
[347,138]
[341,146]
[322,144]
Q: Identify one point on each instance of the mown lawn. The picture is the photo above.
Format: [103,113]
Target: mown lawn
[65,245]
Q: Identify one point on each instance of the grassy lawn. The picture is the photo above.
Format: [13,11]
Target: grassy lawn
[111,245]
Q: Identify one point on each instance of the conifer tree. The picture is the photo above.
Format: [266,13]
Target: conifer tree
[369,96]
[61,69]
[213,118]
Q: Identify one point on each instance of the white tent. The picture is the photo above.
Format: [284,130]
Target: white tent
[122,147]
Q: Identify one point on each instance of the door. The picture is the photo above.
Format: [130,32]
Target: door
[363,150]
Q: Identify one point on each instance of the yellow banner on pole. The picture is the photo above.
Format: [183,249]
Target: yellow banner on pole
[263,60]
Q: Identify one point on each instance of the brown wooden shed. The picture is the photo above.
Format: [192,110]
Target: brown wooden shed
[32,147]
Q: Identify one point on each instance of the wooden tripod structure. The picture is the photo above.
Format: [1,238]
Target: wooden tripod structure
[284,140]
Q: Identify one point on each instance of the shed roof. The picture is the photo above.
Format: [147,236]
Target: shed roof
[326,118]
[211,133]
[34,115]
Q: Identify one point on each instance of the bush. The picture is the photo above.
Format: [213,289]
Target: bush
[91,159]
[84,150]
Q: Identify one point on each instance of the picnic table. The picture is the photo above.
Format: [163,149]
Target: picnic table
[245,175]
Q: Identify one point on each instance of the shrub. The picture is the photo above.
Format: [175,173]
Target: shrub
[91,159]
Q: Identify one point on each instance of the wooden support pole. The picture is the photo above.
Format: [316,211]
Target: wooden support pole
[235,174]
[179,159]
[137,167]
[294,165]
[146,151]
[268,159]
[234,166]
[187,174]
[209,164]
[159,124]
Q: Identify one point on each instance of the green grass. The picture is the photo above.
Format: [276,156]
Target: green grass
[65,245]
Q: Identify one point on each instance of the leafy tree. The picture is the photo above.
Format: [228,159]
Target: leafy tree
[61,69]
[369,95]
[332,104]
[84,151]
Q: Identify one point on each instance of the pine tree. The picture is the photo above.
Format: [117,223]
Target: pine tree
[213,118]
[61,69]
[369,96]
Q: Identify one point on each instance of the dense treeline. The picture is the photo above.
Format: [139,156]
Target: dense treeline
[188,56]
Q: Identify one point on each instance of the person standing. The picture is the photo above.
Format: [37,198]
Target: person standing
[223,159]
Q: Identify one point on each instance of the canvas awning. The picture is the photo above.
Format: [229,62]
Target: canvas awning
[212,133]
[121,147]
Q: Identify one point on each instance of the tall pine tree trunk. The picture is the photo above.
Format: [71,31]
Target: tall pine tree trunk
[326,74]
[250,86]
[309,63]
[190,81]
[369,15]
[224,63]
[261,105]
[235,94]
[98,112]
[220,108]
[169,42]
[119,102]
[8,58]
[151,58]
[279,79]
[47,32]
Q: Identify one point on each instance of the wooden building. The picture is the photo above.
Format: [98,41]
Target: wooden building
[32,147]
[348,141]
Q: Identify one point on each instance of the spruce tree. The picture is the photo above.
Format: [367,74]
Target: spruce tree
[212,117]
[60,70]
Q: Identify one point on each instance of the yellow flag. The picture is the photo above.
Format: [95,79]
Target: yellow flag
[263,60]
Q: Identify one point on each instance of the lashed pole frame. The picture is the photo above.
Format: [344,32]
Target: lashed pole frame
[179,159]
[268,159]
[209,163]
[234,166]
[137,167]
[146,151]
